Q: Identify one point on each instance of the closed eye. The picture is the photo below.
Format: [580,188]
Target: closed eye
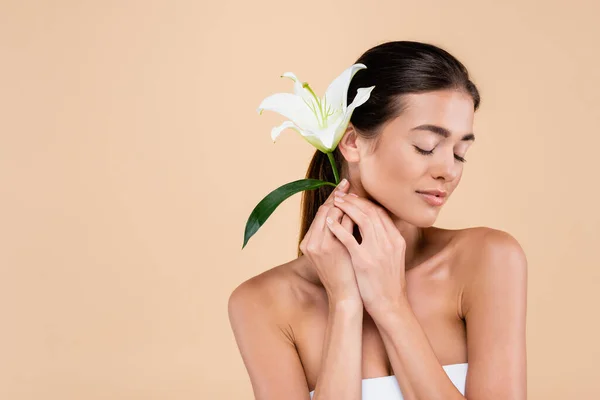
[430,152]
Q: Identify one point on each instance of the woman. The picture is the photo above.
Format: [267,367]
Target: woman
[379,304]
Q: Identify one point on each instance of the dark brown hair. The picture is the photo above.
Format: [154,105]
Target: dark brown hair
[395,69]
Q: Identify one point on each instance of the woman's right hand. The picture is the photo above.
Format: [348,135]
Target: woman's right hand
[328,255]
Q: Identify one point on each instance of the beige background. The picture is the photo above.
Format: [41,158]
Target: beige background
[131,156]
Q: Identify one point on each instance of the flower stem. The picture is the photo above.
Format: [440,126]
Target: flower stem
[335,171]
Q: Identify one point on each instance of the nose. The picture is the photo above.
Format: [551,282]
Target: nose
[446,166]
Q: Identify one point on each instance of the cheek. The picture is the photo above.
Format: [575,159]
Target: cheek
[457,180]
[403,164]
[390,175]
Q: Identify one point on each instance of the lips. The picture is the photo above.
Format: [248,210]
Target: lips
[436,193]
[433,198]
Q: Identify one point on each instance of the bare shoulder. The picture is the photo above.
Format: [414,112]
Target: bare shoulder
[265,292]
[469,244]
[482,243]
[261,311]
[486,255]
[275,294]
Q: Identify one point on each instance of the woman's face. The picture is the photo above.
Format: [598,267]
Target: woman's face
[392,174]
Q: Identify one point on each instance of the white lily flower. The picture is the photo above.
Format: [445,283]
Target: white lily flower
[321,121]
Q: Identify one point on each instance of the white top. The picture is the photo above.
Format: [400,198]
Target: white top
[387,388]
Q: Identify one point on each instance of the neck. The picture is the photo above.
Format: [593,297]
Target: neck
[415,239]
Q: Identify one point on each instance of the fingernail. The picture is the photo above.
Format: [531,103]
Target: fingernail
[352,194]
[329,220]
[339,193]
[338,199]
[343,183]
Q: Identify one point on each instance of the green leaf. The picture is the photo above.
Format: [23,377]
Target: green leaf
[265,208]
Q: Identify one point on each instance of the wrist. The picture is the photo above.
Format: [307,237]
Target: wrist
[349,303]
[389,307]
[343,294]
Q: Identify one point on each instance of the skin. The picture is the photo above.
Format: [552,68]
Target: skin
[418,289]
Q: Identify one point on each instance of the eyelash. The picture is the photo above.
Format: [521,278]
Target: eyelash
[428,153]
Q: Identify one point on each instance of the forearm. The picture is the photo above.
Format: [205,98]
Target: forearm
[340,376]
[416,367]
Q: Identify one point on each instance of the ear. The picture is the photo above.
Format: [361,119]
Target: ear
[349,144]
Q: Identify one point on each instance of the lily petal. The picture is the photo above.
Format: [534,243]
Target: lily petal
[337,91]
[362,95]
[331,137]
[299,90]
[276,131]
[292,107]
[312,138]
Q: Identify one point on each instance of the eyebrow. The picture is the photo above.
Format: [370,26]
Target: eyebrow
[442,131]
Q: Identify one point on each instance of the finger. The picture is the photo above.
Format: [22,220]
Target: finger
[376,210]
[343,186]
[381,228]
[318,225]
[334,214]
[317,220]
[343,236]
[360,218]
[389,225]
[365,205]
[347,223]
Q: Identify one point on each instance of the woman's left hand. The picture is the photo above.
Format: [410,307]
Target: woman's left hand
[379,260]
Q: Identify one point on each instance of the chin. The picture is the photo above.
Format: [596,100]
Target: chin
[422,220]
[425,222]
[426,216]
[422,217]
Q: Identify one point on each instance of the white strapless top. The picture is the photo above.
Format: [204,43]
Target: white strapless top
[387,388]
